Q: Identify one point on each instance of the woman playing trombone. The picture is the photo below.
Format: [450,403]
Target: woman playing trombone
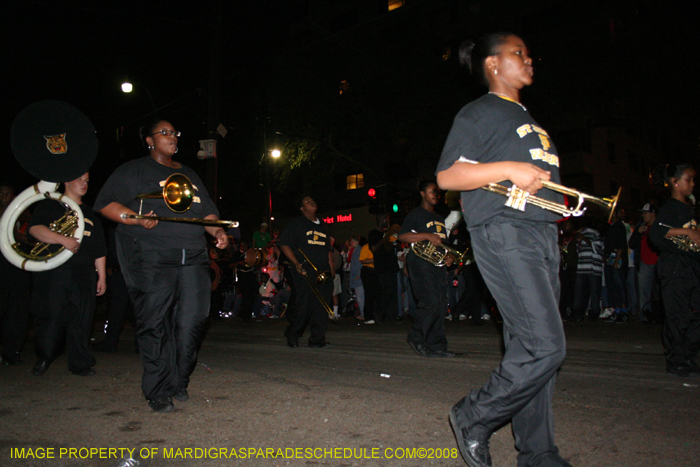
[516,251]
[165,265]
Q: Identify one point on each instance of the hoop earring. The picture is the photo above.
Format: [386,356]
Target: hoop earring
[176,150]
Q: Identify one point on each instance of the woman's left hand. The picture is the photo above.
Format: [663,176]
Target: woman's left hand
[101,286]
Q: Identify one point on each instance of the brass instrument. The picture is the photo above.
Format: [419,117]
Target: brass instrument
[178,194]
[66,225]
[436,255]
[321,278]
[683,242]
[517,198]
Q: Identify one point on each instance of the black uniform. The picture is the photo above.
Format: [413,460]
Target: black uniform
[518,256]
[427,284]
[679,273]
[63,298]
[166,270]
[313,239]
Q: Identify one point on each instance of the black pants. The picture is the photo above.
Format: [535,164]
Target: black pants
[120,308]
[170,292]
[373,293]
[389,297]
[14,311]
[680,290]
[63,303]
[308,310]
[520,265]
[428,287]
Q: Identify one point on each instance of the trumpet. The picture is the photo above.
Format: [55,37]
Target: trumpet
[178,194]
[683,242]
[321,278]
[517,198]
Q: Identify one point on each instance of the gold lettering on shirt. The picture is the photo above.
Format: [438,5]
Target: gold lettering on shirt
[524,130]
[439,228]
[541,155]
[545,142]
[88,221]
[315,238]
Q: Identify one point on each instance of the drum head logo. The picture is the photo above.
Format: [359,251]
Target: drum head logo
[56,144]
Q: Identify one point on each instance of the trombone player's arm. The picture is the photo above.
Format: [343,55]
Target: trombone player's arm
[292,257]
[217,232]
[463,176]
[113,211]
[413,237]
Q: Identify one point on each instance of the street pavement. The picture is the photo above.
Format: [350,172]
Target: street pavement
[367,400]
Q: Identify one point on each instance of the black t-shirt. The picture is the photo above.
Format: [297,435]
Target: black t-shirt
[145,175]
[92,245]
[384,255]
[311,238]
[423,221]
[678,215]
[492,129]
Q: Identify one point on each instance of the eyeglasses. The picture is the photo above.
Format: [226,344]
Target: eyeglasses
[165,132]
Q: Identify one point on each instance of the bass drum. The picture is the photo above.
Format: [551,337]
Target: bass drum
[255,257]
[34,194]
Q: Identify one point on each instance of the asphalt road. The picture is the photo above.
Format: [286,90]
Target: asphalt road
[368,400]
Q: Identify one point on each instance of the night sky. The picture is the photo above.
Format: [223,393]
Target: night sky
[626,63]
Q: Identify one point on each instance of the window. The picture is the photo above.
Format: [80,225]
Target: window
[353,182]
[394,4]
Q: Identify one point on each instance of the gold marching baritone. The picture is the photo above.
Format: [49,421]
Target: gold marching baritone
[178,195]
[517,198]
[682,241]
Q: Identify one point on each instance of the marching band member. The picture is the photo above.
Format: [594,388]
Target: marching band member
[516,252]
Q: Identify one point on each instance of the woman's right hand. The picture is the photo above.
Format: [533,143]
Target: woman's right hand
[528,177]
[148,223]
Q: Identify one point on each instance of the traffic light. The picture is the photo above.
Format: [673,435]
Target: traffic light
[374,207]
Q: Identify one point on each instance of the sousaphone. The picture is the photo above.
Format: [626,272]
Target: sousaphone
[56,143]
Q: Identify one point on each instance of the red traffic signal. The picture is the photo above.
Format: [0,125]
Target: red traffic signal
[372,193]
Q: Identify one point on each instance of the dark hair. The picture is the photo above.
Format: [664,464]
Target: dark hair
[472,55]
[147,130]
[423,184]
[663,174]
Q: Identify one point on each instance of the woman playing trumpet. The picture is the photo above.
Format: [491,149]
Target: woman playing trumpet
[679,273]
[516,252]
[165,265]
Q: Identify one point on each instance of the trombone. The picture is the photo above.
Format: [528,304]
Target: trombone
[178,194]
[321,278]
[517,198]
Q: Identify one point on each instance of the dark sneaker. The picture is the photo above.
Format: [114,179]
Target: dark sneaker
[40,367]
[84,372]
[319,345]
[420,349]
[161,404]
[182,395]
[474,452]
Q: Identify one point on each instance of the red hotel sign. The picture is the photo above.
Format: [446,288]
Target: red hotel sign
[339,218]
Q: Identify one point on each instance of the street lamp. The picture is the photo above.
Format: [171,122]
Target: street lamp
[128,86]
[275,154]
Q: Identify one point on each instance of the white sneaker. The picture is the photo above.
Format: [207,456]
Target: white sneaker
[462,317]
[607,313]
[449,317]
[486,317]
[371,321]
